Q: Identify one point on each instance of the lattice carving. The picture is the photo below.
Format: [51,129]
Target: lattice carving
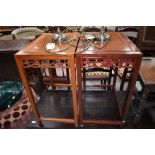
[107,63]
[45,63]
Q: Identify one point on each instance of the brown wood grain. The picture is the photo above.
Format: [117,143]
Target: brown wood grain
[119,48]
[36,51]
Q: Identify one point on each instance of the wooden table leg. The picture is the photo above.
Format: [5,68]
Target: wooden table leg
[28,90]
[80,102]
[74,95]
[51,76]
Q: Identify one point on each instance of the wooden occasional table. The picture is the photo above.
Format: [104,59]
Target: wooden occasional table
[119,52]
[35,56]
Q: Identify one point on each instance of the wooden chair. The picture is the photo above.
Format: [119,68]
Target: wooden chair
[55,76]
[54,29]
[92,29]
[130,31]
[96,74]
[124,74]
[73,28]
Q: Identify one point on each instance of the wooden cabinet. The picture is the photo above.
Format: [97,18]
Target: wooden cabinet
[146,38]
[8,28]
[8,67]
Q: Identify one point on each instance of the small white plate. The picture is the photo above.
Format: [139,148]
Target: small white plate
[50,46]
[89,37]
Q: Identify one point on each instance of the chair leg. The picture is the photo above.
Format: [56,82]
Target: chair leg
[105,84]
[122,85]
[51,79]
[84,78]
[124,76]
[101,82]
[68,79]
[110,76]
[109,82]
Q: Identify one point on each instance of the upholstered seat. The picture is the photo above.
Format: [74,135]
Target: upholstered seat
[98,74]
[26,33]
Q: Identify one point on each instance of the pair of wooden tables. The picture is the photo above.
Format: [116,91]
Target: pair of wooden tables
[120,51]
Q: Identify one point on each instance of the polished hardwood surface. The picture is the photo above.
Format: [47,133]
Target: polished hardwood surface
[118,51]
[37,47]
[35,56]
[119,44]
[97,106]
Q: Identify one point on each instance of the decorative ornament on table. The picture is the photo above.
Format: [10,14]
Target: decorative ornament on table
[97,40]
[58,44]
[101,39]
[50,46]
[59,36]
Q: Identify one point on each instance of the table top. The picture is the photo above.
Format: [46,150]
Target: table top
[38,46]
[119,44]
[12,45]
[147,70]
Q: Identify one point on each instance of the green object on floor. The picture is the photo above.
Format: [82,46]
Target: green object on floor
[10,92]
